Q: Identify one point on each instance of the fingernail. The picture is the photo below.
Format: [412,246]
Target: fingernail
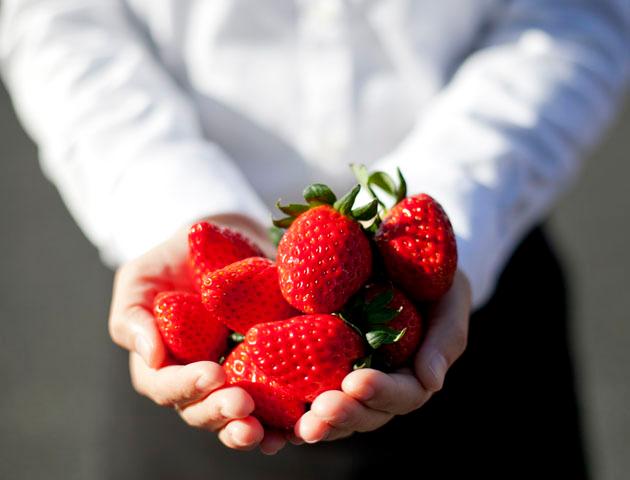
[312,440]
[203,382]
[270,452]
[143,348]
[438,367]
[320,439]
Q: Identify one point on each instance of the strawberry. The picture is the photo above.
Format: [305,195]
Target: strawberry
[415,238]
[393,325]
[275,406]
[190,333]
[417,243]
[308,354]
[212,247]
[324,257]
[245,293]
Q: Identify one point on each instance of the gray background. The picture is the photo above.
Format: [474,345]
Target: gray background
[56,357]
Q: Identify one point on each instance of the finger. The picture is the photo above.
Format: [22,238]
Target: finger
[293,438]
[242,434]
[272,442]
[343,412]
[175,384]
[338,434]
[395,393]
[446,337]
[131,322]
[219,408]
[311,428]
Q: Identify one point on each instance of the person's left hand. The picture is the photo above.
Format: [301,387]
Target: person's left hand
[368,398]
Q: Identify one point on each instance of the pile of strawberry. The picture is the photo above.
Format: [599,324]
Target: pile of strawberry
[345,292]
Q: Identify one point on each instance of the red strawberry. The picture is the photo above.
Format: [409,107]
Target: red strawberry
[275,405]
[212,247]
[245,293]
[418,247]
[309,354]
[324,257]
[386,306]
[190,333]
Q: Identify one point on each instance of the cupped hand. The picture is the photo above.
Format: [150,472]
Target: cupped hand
[368,398]
[194,390]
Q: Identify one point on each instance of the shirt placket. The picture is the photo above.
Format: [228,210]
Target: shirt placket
[325,82]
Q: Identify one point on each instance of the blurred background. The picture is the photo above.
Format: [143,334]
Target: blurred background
[56,359]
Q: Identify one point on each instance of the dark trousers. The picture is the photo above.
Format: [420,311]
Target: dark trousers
[508,408]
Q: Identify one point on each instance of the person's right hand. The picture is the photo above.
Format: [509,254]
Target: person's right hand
[193,390]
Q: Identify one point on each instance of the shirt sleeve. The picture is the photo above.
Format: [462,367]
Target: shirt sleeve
[499,144]
[116,134]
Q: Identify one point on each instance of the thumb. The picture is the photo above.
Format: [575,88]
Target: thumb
[131,322]
[447,335]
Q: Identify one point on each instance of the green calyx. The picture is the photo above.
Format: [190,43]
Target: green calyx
[319,194]
[377,315]
[237,337]
[233,340]
[373,318]
[384,182]
[369,214]
[364,362]
[275,234]
[383,336]
[370,321]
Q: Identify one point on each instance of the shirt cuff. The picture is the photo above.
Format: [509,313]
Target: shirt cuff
[471,209]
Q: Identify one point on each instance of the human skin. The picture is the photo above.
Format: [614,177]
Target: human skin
[368,398]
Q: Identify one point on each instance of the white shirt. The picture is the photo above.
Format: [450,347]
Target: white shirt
[149,114]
